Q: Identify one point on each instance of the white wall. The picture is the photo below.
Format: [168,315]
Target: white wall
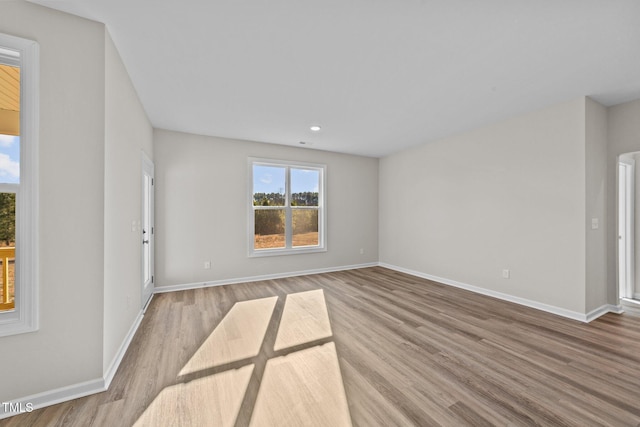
[596,204]
[68,347]
[201,197]
[128,132]
[507,196]
[623,136]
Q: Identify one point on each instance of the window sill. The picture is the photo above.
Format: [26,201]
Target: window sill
[15,327]
[285,251]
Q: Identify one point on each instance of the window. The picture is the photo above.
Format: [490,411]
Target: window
[18,185]
[286,207]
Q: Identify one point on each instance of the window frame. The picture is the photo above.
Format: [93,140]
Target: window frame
[289,249]
[25,315]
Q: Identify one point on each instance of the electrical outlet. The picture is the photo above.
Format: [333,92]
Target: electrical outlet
[207,265]
[361,251]
[505,274]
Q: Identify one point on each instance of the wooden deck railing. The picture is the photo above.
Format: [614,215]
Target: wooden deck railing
[7,254]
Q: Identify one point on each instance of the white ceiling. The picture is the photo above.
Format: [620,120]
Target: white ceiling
[377,75]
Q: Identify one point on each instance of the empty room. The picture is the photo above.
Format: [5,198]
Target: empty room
[329,213]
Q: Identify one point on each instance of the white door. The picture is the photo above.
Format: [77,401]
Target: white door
[148,232]
[625,227]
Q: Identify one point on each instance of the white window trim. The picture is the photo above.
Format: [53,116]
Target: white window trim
[322,209]
[25,317]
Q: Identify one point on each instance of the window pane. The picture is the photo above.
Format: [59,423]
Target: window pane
[305,184]
[7,249]
[9,173]
[268,185]
[305,227]
[269,228]
[9,124]
[9,159]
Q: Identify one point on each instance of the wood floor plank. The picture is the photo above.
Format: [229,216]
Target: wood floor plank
[411,352]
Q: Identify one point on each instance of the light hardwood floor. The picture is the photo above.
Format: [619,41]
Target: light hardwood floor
[396,350]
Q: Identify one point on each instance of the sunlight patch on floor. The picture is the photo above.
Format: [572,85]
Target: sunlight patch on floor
[304,319]
[239,336]
[302,388]
[214,400]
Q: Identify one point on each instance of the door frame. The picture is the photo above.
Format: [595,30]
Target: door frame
[147,281]
[626,228]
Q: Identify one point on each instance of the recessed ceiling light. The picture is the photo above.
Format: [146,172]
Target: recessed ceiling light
[315,128]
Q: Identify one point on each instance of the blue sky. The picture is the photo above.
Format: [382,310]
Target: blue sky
[9,159]
[271,179]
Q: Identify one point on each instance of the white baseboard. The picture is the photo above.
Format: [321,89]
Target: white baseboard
[574,315]
[74,391]
[115,363]
[53,397]
[607,308]
[182,287]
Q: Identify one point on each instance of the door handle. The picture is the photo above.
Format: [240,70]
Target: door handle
[145,241]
